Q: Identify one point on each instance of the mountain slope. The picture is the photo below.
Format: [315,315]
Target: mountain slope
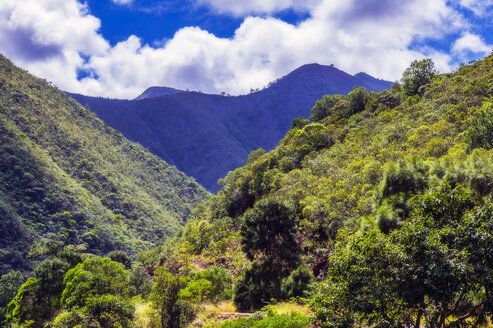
[343,175]
[64,172]
[208,135]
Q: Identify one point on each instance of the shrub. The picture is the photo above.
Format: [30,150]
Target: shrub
[298,283]
[480,131]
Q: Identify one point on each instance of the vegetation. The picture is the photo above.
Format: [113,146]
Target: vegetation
[64,172]
[385,201]
[377,215]
[417,76]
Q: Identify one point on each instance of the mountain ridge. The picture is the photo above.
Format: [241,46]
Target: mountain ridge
[206,136]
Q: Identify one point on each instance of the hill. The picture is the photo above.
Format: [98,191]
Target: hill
[65,173]
[378,213]
[386,201]
[207,136]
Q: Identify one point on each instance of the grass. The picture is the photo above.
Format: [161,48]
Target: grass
[288,308]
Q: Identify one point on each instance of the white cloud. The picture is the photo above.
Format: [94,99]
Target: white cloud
[471,42]
[122,2]
[49,37]
[373,36]
[245,7]
[478,7]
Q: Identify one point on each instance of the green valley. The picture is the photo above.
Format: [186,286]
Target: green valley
[376,212]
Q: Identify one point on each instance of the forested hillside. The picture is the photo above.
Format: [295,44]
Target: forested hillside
[377,212]
[66,175]
[385,198]
[206,136]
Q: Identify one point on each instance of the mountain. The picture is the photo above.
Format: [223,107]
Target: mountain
[157,92]
[391,196]
[65,174]
[206,136]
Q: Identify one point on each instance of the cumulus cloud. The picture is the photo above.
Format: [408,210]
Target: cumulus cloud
[469,42]
[55,39]
[50,37]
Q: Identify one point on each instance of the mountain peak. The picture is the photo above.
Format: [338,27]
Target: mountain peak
[206,136]
[158,92]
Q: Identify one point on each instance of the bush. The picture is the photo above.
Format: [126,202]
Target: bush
[480,131]
[221,283]
[298,283]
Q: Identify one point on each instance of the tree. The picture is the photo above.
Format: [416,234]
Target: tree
[221,283]
[101,311]
[299,123]
[417,75]
[322,107]
[268,235]
[173,311]
[21,310]
[95,276]
[436,269]
[298,283]
[39,298]
[357,100]
[9,284]
[122,257]
[480,131]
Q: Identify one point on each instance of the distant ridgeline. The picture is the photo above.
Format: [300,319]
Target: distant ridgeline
[206,136]
[64,172]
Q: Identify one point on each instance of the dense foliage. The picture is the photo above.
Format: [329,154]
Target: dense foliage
[63,171]
[379,214]
[363,184]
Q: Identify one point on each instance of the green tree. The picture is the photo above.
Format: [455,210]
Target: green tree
[95,276]
[139,282]
[299,123]
[42,293]
[434,270]
[357,100]
[122,257]
[221,283]
[9,284]
[100,311]
[417,75]
[268,235]
[322,107]
[298,283]
[21,310]
[480,131]
[173,311]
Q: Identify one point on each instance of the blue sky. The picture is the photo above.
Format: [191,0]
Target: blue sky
[118,48]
